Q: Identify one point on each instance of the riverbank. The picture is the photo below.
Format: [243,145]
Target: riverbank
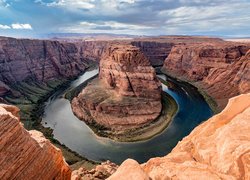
[147,131]
[210,100]
[30,96]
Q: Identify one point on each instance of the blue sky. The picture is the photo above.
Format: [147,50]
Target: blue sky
[139,17]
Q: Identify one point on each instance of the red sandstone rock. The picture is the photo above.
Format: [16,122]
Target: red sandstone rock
[128,94]
[221,69]
[42,60]
[102,171]
[27,154]
[155,51]
[217,149]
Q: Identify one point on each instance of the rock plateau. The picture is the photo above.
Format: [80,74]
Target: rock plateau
[127,94]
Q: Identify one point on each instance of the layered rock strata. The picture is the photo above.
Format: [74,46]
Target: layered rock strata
[158,48]
[221,69]
[217,149]
[155,51]
[27,154]
[126,95]
[40,60]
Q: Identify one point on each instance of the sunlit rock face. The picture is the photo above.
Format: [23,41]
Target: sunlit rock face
[220,68]
[217,149]
[27,154]
[127,93]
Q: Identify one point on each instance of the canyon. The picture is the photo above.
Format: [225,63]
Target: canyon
[220,68]
[127,87]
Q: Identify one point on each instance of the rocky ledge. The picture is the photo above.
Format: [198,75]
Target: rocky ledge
[127,94]
[217,149]
[27,154]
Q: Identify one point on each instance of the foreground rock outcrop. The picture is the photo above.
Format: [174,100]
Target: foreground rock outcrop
[217,149]
[27,154]
[100,172]
[221,69]
[127,94]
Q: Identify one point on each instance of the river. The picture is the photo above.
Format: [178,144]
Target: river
[76,135]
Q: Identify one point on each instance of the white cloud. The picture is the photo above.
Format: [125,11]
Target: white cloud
[70,4]
[4,3]
[105,27]
[112,25]
[21,26]
[200,19]
[4,26]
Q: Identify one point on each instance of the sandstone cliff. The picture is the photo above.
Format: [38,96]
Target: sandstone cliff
[155,51]
[91,50]
[27,154]
[127,94]
[30,70]
[158,48]
[40,60]
[221,69]
[217,149]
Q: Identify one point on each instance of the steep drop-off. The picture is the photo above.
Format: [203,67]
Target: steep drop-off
[27,154]
[217,149]
[30,70]
[157,49]
[127,94]
[220,69]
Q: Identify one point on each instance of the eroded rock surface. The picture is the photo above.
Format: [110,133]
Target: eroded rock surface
[217,149]
[221,69]
[126,95]
[27,154]
[100,172]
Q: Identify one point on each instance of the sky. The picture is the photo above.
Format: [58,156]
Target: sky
[21,18]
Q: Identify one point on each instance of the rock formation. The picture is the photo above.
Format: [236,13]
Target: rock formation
[27,154]
[91,50]
[40,60]
[127,94]
[217,149]
[30,70]
[221,69]
[155,51]
[100,172]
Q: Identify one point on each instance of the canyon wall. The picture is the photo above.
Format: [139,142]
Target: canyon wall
[155,51]
[30,70]
[217,149]
[91,50]
[27,154]
[40,60]
[127,94]
[221,69]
